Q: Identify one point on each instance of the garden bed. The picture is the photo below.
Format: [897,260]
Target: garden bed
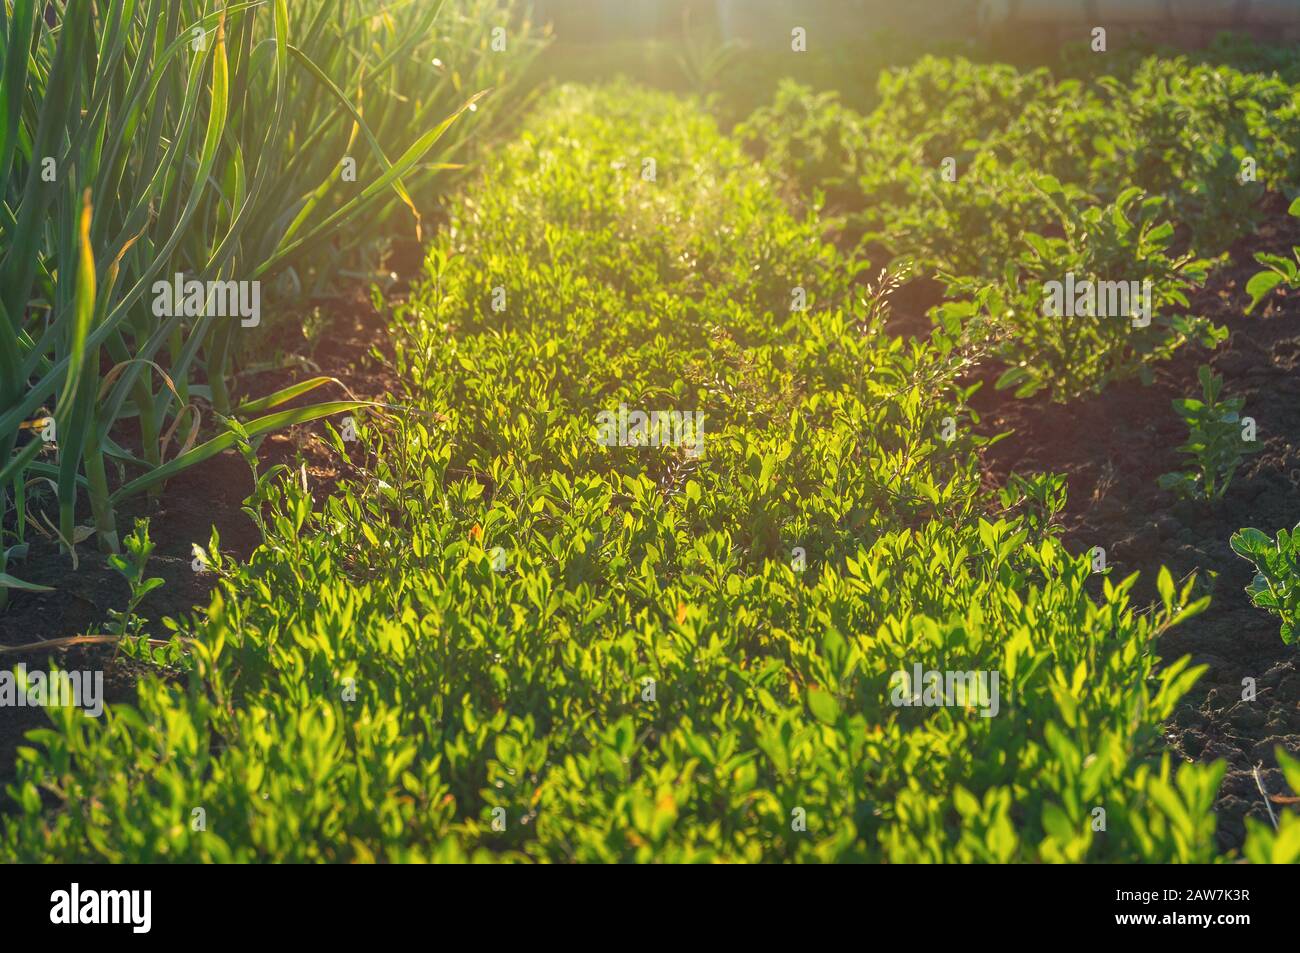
[449,612]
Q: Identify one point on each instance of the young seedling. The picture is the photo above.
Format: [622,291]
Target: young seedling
[1276,586]
[1215,441]
[131,565]
[1279,271]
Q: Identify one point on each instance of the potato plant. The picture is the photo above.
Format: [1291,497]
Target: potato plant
[1276,586]
[945,161]
[1279,271]
[997,180]
[1077,312]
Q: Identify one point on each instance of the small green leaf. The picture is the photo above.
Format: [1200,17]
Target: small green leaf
[823,705]
[1259,287]
[1250,542]
[1010,377]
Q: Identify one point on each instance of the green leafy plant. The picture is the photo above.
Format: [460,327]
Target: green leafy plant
[706,58]
[811,144]
[505,638]
[1104,131]
[131,565]
[1125,244]
[1215,442]
[1040,497]
[1276,586]
[1279,271]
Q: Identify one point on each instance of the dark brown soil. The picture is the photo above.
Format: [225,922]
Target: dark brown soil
[193,504]
[1112,448]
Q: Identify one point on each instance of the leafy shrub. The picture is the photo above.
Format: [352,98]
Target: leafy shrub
[1214,441]
[1276,586]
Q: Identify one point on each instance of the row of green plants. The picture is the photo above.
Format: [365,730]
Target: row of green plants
[996,180]
[513,641]
[1169,127]
[245,142]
